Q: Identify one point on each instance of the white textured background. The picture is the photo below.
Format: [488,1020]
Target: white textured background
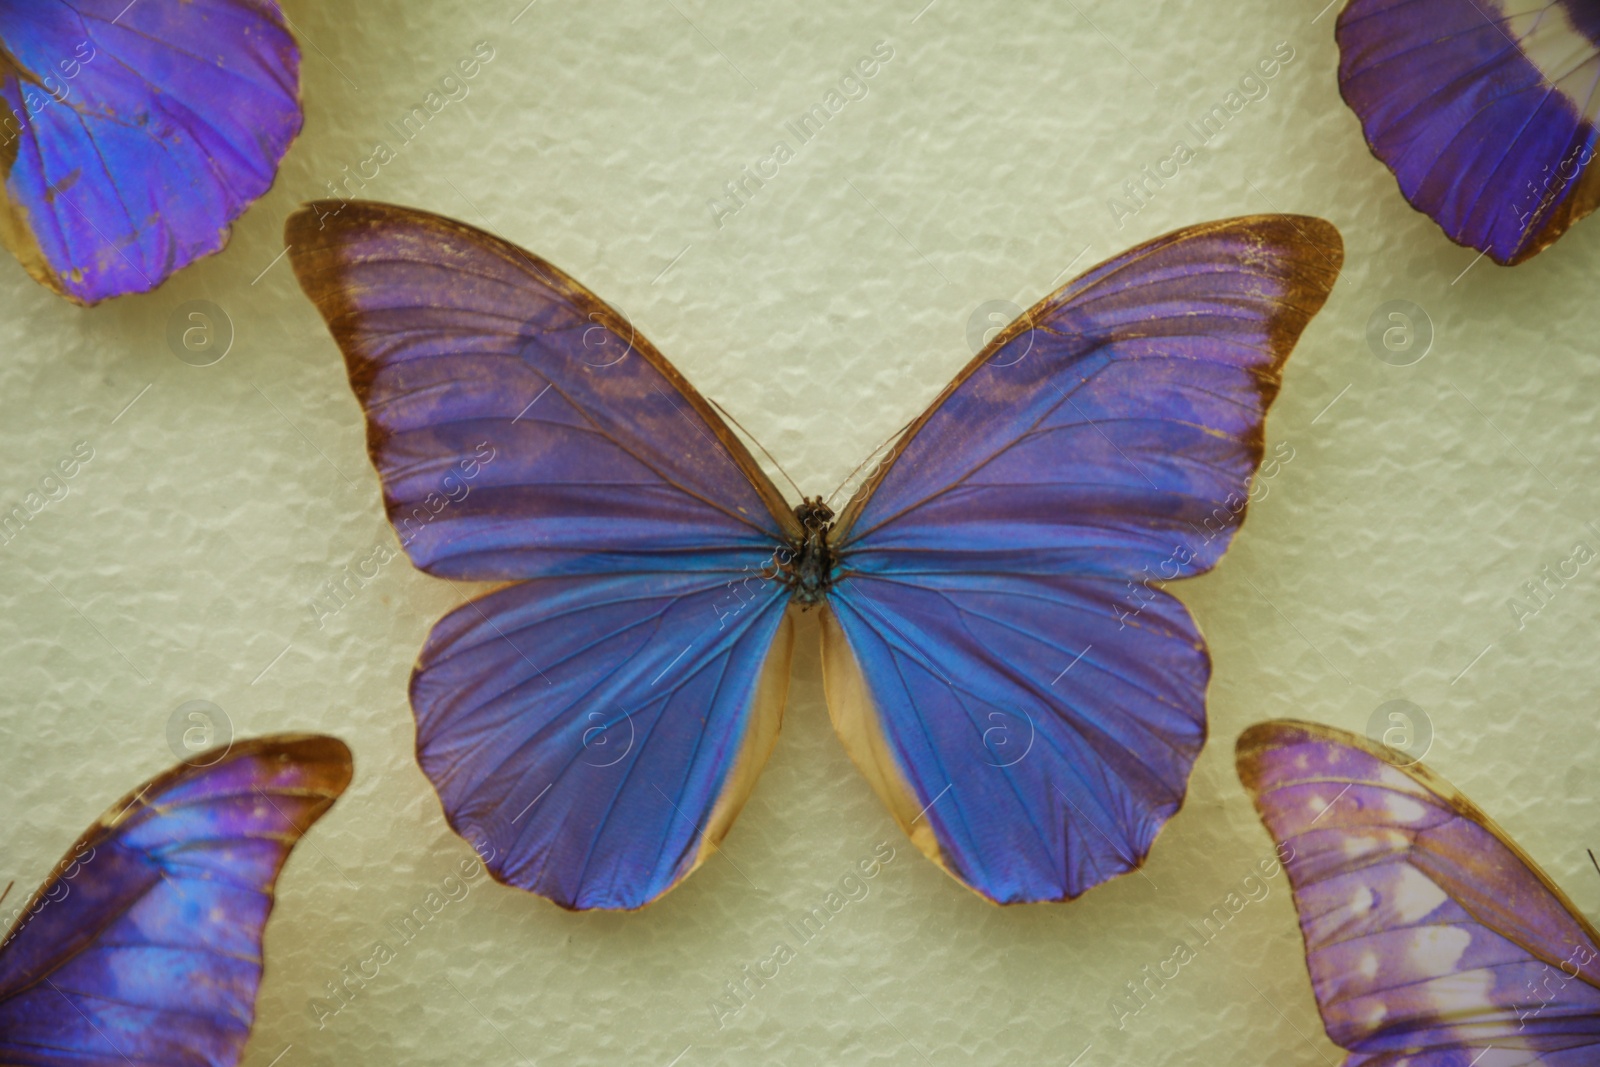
[823,316]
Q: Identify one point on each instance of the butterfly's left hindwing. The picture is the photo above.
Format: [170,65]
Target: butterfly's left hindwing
[133,134]
[1432,940]
[145,945]
[1000,577]
[594,737]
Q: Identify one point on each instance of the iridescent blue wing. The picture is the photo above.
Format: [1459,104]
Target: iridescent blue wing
[1000,660]
[1432,939]
[133,134]
[595,737]
[144,946]
[594,729]
[1484,109]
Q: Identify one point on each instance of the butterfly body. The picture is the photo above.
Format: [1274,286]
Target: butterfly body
[810,566]
[599,721]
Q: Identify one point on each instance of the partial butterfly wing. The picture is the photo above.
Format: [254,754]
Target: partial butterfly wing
[594,728]
[1432,940]
[1485,110]
[144,947]
[133,134]
[999,657]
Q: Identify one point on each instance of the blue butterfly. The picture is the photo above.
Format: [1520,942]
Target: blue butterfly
[596,725]
[1485,110]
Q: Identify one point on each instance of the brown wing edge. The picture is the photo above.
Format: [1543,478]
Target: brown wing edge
[1584,198]
[1276,733]
[16,229]
[856,719]
[329,754]
[761,736]
[314,235]
[1312,283]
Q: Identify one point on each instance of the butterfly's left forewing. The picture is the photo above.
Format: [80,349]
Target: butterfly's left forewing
[145,945]
[1432,940]
[1000,658]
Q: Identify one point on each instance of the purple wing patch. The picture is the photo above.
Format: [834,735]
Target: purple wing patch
[1114,428]
[519,425]
[133,135]
[1485,110]
[145,945]
[1432,940]
[1101,445]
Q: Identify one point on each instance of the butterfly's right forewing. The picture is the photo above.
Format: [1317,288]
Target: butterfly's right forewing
[1000,657]
[1431,939]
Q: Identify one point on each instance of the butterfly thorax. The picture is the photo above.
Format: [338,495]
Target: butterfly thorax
[806,565]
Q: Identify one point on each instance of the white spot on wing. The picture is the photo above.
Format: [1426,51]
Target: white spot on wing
[1403,809]
[1415,896]
[1357,846]
[1436,951]
[1563,55]
[1361,901]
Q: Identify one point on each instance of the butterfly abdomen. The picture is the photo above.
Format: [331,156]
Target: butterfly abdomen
[807,565]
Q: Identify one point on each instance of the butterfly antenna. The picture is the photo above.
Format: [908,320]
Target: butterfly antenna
[871,456]
[752,439]
[7,891]
[1590,851]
